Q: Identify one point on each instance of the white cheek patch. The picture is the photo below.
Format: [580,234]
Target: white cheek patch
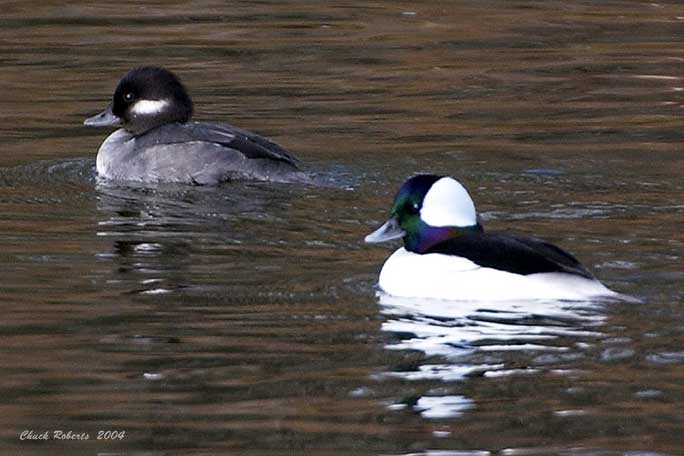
[148,107]
[448,203]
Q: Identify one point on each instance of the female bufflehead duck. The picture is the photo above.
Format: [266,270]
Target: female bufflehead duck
[158,143]
[447,254]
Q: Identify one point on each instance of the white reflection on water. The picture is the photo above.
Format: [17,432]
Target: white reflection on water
[436,407]
[453,329]
[479,337]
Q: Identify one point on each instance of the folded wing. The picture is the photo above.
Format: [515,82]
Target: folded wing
[249,144]
[512,253]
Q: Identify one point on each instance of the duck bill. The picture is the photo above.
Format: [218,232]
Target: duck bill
[104,119]
[390,230]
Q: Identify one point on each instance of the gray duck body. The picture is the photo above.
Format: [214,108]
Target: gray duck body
[194,153]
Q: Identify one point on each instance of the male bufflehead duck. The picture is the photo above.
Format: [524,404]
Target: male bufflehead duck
[159,143]
[448,255]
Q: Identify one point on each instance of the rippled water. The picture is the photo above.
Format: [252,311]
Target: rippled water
[243,319]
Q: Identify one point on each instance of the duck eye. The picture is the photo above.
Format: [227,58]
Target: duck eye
[413,207]
[128,97]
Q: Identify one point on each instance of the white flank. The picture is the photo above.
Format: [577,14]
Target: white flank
[147,107]
[440,276]
[448,203]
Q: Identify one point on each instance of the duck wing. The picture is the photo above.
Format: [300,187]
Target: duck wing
[249,144]
[512,253]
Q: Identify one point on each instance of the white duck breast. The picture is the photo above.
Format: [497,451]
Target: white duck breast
[441,276]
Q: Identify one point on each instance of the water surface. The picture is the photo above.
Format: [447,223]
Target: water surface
[244,320]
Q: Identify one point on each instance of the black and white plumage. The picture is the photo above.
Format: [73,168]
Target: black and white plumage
[511,253]
[448,255]
[159,143]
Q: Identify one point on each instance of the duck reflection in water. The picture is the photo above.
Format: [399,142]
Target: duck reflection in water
[160,236]
[491,339]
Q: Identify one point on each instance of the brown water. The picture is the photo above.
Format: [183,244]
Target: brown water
[243,319]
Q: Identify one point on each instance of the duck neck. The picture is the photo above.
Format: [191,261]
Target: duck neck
[427,236]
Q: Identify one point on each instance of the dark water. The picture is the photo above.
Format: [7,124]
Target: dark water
[243,319]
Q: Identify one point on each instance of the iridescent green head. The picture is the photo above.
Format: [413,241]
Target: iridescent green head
[428,209]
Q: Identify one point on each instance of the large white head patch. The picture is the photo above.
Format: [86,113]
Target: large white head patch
[448,203]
